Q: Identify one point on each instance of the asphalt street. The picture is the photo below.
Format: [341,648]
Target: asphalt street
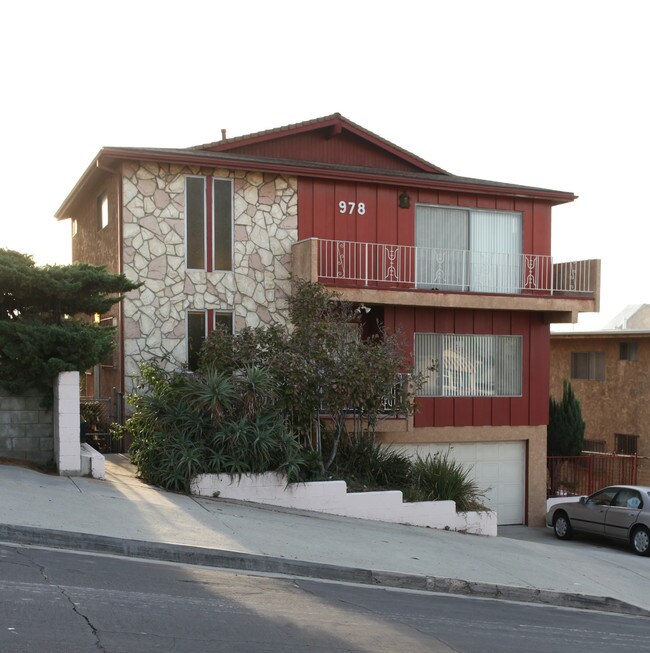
[54,601]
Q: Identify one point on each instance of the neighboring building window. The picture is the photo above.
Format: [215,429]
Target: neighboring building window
[467,249]
[628,350]
[588,365]
[597,446]
[75,227]
[208,216]
[102,211]
[469,365]
[627,444]
[196,332]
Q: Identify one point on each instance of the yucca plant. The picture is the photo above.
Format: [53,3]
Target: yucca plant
[211,421]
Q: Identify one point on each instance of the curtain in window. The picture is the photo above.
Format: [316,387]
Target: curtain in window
[474,250]
[441,236]
[469,365]
[495,245]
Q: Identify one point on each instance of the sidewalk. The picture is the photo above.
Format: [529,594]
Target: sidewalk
[124,516]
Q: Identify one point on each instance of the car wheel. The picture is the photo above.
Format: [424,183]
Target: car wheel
[562,526]
[641,541]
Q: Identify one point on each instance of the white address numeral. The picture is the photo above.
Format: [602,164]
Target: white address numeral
[350,207]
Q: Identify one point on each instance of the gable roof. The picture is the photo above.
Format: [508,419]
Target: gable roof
[331,140]
[331,147]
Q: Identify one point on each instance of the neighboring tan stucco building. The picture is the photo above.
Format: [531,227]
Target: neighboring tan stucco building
[461,267]
[609,371]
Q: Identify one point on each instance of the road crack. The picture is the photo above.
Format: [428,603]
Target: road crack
[75,607]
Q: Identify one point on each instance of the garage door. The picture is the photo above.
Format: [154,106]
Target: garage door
[498,467]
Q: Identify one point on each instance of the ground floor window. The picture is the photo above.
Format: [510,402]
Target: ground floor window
[199,325]
[627,444]
[458,365]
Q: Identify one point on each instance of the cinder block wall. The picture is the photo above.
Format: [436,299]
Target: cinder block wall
[26,429]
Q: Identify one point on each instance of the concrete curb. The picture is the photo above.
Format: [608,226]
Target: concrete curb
[196,555]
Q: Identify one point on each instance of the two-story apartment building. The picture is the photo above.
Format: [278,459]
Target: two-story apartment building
[609,371]
[461,267]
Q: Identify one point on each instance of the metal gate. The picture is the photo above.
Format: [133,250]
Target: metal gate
[582,475]
[97,416]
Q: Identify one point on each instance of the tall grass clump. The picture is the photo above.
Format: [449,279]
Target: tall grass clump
[440,477]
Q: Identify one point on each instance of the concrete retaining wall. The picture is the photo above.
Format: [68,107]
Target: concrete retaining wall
[28,432]
[332,497]
[26,429]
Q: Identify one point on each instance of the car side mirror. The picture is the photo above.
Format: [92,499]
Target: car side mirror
[583,499]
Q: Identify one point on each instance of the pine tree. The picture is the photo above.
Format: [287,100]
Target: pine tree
[566,428]
[42,331]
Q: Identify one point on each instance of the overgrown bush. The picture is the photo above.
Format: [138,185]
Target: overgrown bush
[366,464]
[323,370]
[440,477]
[211,422]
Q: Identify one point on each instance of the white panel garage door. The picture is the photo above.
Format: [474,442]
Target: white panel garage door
[499,466]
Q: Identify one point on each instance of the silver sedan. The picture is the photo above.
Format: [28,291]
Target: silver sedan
[621,512]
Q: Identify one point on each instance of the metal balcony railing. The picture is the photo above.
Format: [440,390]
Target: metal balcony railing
[403,266]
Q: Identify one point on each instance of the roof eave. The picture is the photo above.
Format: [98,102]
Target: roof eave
[110,157]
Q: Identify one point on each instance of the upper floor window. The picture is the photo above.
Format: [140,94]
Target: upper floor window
[468,249]
[588,365]
[208,217]
[102,211]
[75,227]
[469,365]
[628,350]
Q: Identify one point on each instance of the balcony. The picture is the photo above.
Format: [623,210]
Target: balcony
[401,274]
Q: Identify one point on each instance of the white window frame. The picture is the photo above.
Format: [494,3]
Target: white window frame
[205,218]
[232,223]
[451,363]
[230,314]
[188,313]
[471,268]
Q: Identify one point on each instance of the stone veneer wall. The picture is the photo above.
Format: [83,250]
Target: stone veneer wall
[26,430]
[256,291]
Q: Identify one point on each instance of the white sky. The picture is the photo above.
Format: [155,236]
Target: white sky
[544,93]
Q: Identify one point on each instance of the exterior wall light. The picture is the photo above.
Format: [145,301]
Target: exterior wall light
[404,200]
[97,318]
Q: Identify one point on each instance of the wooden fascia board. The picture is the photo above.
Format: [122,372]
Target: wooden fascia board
[108,157]
[192,159]
[62,213]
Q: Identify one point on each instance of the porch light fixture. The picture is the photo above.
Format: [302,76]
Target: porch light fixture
[97,318]
[404,200]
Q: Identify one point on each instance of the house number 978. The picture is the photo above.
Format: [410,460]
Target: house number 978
[349,208]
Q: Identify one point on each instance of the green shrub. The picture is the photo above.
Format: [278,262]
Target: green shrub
[366,464]
[188,424]
[441,478]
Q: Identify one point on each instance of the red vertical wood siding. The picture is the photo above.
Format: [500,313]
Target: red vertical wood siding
[384,222]
[531,408]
